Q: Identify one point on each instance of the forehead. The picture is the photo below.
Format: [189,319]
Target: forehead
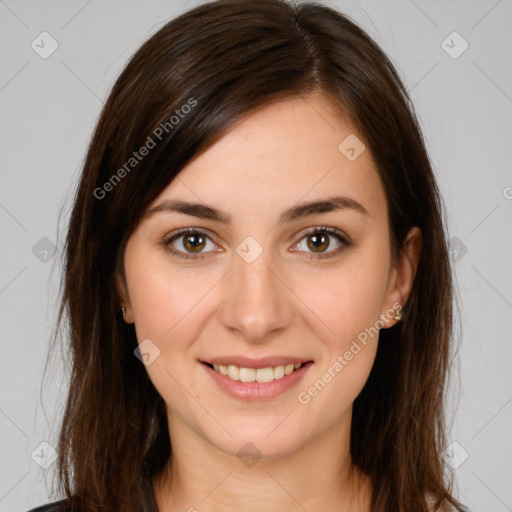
[289,151]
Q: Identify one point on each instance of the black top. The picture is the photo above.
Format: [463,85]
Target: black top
[56,506]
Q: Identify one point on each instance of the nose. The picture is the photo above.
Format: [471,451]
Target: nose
[256,304]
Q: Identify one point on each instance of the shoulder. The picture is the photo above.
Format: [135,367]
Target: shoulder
[56,506]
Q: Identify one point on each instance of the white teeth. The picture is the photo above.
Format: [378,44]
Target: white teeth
[278,372]
[247,374]
[289,369]
[233,372]
[255,374]
[264,374]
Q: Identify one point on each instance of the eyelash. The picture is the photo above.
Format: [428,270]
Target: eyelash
[345,242]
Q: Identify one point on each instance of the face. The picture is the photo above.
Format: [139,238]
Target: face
[260,276]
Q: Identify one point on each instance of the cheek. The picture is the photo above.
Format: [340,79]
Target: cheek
[169,307]
[348,307]
[347,303]
[164,298]
[347,299]
[330,393]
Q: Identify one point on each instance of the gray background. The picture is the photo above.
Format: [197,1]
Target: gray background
[49,108]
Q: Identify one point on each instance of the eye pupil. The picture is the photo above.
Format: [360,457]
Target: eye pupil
[318,241]
[196,245]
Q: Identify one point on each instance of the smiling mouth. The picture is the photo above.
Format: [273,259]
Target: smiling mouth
[262,375]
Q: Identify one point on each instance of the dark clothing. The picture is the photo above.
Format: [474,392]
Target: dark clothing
[56,506]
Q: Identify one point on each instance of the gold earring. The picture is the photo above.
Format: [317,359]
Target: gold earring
[398,313]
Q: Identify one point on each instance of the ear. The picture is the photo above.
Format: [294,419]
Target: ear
[401,278]
[122,292]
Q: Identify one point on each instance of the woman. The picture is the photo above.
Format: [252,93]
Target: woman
[257,281]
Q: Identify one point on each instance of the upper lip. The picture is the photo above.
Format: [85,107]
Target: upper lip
[264,362]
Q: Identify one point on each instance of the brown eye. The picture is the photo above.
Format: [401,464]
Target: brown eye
[318,242]
[194,242]
[189,243]
[319,239]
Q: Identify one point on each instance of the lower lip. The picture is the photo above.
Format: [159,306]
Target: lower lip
[257,390]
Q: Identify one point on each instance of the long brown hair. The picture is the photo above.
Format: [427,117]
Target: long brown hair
[177,95]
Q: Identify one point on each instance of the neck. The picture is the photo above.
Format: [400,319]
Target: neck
[318,476]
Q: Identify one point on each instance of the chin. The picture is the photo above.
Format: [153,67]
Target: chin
[263,438]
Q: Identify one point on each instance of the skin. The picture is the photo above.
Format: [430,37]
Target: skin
[283,303]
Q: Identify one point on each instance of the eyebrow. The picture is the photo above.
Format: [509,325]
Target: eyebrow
[296,212]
